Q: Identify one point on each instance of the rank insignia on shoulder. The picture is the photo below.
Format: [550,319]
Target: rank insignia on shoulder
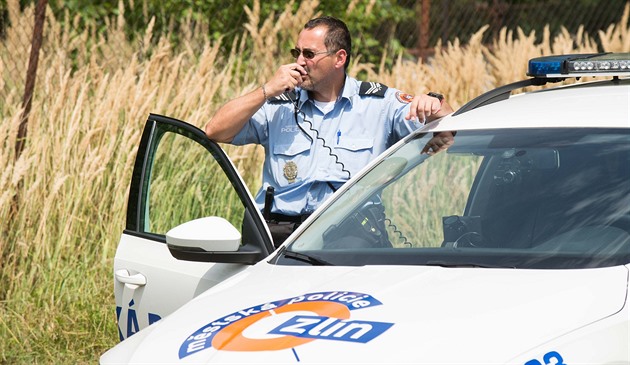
[403,97]
[372,89]
[285,97]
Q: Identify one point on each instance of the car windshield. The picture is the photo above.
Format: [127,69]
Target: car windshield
[514,198]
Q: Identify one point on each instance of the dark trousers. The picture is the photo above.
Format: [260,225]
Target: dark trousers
[281,226]
[280,231]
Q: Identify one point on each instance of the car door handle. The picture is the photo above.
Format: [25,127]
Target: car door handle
[131,281]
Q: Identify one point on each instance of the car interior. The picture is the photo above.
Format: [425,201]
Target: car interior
[573,198]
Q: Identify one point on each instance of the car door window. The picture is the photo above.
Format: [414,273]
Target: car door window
[186,183]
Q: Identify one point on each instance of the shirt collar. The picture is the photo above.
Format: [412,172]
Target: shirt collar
[350,88]
[303,96]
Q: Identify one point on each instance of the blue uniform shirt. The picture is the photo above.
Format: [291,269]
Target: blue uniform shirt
[299,167]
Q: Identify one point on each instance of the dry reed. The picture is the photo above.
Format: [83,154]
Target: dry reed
[93,96]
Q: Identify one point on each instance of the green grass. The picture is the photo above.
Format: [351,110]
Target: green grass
[63,201]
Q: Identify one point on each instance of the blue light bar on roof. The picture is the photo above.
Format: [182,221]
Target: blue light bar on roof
[576,65]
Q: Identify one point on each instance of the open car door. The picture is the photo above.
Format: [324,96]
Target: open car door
[181,179]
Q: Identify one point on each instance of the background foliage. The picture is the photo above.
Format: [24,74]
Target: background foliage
[409,26]
[63,200]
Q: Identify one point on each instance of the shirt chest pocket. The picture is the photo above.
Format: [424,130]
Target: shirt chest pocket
[289,162]
[290,150]
[355,153]
[355,144]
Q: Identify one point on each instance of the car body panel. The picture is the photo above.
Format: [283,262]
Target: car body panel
[502,311]
[541,110]
[172,282]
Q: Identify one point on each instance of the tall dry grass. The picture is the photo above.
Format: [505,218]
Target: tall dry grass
[93,96]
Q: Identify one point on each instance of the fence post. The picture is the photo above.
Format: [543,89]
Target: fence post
[31,73]
[423,23]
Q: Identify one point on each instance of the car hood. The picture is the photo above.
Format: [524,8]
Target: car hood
[378,314]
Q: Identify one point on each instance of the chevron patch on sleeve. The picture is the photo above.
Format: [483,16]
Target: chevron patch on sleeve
[372,89]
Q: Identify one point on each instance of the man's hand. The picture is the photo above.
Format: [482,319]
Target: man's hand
[423,106]
[287,77]
[440,142]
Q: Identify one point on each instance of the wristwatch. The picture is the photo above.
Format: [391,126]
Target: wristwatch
[440,97]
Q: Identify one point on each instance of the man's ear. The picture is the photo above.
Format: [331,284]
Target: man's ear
[341,57]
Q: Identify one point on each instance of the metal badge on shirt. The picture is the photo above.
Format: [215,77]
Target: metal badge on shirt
[290,171]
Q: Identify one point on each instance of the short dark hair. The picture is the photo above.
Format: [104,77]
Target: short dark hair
[337,36]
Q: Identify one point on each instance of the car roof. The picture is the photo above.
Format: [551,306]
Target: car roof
[604,104]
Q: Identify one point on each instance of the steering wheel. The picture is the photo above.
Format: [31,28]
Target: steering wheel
[468,239]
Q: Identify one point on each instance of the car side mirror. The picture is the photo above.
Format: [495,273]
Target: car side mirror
[210,234]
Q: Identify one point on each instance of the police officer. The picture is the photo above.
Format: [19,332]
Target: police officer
[319,126]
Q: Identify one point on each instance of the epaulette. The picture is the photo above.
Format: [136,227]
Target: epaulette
[286,97]
[372,89]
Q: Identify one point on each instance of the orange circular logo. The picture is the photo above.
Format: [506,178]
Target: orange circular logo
[231,337]
[403,97]
[288,323]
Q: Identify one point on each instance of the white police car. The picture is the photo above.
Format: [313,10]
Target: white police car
[513,247]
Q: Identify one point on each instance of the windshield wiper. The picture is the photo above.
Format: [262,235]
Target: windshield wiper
[315,261]
[466,264]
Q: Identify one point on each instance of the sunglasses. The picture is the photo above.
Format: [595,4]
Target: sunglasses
[307,53]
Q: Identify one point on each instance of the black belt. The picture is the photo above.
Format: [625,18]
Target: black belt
[288,218]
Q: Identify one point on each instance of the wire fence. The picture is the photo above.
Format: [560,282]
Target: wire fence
[431,22]
[451,19]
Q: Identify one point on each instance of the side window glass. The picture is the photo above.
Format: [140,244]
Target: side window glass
[187,183]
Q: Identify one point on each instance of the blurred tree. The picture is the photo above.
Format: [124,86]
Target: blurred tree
[376,25]
[372,23]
